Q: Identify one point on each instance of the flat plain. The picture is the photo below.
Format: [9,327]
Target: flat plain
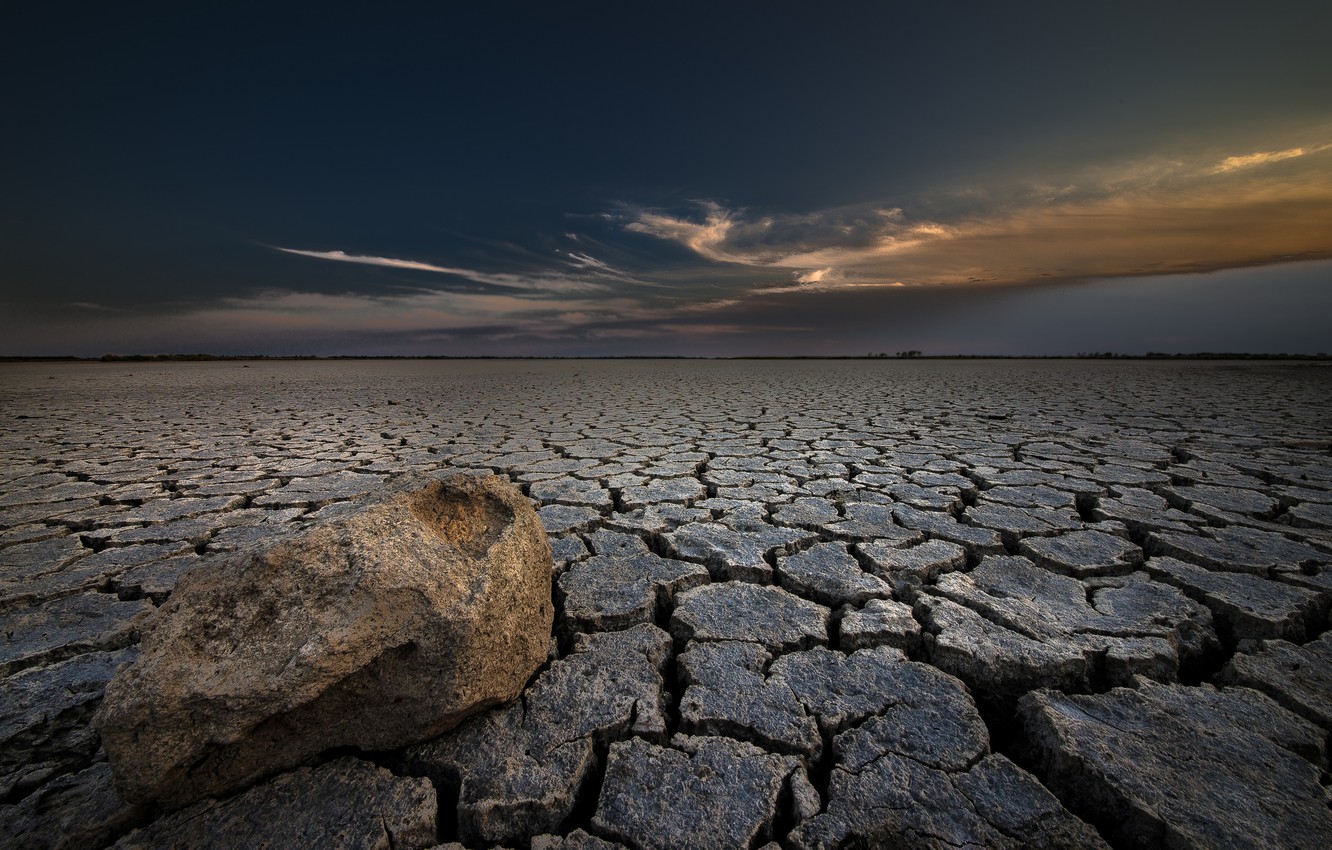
[799,604]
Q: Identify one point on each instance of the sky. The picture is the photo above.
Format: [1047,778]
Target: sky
[713,179]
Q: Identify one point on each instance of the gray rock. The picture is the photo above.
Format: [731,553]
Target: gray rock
[716,794]
[935,525]
[918,773]
[924,715]
[738,515]
[995,661]
[154,580]
[1297,677]
[518,771]
[655,519]
[44,719]
[881,622]
[1314,578]
[1083,553]
[346,803]
[613,592]
[727,693]
[429,602]
[1238,549]
[1034,623]
[80,811]
[1172,766]
[507,785]
[1020,807]
[611,684]
[1028,496]
[1311,515]
[737,610]
[863,520]
[826,573]
[576,840]
[734,555]
[565,551]
[166,510]
[1204,499]
[895,801]
[63,628]
[570,491]
[49,495]
[1246,606]
[680,490]
[1116,473]
[1014,523]
[562,519]
[907,568]
[840,690]
[927,498]
[806,512]
[951,480]
[511,779]
[605,542]
[25,561]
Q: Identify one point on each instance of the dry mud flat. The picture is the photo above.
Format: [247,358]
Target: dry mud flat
[799,604]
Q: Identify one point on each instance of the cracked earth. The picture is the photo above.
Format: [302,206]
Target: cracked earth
[803,604]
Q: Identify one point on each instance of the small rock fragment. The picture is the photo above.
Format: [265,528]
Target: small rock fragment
[737,610]
[44,718]
[346,803]
[1244,605]
[614,591]
[727,693]
[730,554]
[1083,553]
[717,793]
[1297,677]
[881,622]
[1163,766]
[907,568]
[826,573]
[63,628]
[79,811]
[517,771]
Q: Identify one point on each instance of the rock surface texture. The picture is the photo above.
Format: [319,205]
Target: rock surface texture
[796,605]
[382,627]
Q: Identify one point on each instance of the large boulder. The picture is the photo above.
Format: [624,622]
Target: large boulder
[418,606]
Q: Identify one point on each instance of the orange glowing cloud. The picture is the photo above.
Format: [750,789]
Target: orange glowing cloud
[1157,216]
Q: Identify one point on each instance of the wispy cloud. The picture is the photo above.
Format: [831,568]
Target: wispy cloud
[552,282]
[388,262]
[1235,163]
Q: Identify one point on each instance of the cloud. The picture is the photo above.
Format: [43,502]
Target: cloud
[703,238]
[1235,163]
[553,282]
[344,257]
[1155,216]
[588,264]
[429,314]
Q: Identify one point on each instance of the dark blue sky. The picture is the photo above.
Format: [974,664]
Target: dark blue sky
[666,179]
